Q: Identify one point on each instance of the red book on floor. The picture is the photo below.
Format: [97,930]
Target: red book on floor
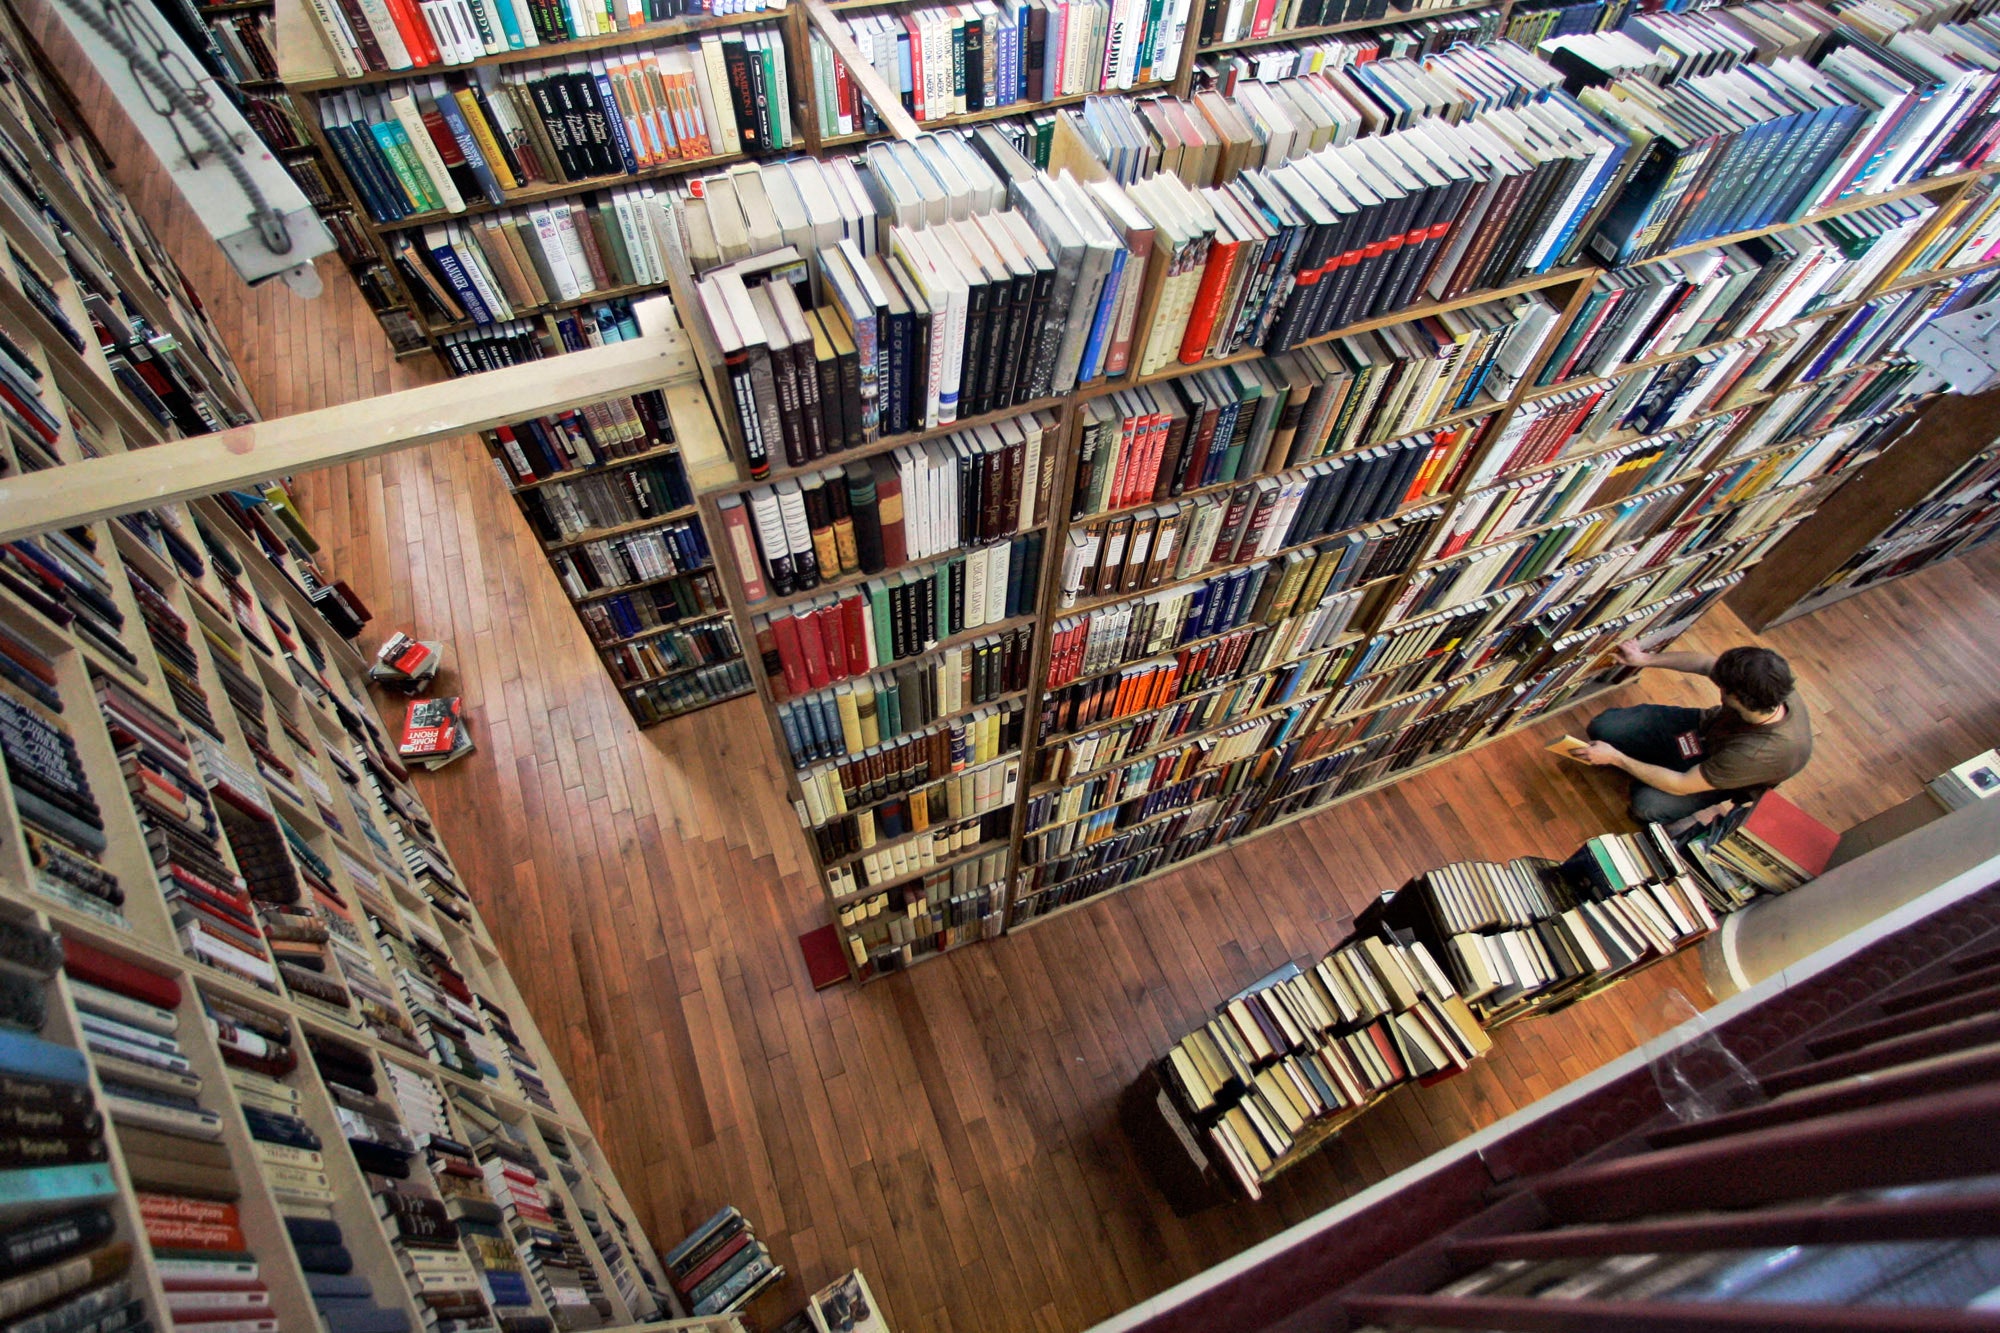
[1791,834]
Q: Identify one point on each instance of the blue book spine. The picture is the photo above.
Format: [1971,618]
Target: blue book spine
[617,123]
[454,119]
[1100,324]
[461,285]
[904,83]
[35,1058]
[56,1184]
[366,167]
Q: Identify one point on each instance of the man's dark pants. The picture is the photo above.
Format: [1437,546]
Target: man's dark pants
[1648,733]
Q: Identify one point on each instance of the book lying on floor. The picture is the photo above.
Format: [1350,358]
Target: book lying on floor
[405,663]
[434,732]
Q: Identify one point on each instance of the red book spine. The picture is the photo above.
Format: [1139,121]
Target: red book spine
[416,32]
[833,640]
[813,649]
[791,654]
[115,974]
[1208,300]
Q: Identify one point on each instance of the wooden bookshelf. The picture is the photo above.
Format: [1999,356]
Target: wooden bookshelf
[1819,562]
[1724,533]
[273,703]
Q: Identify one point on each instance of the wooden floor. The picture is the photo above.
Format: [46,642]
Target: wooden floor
[951,1130]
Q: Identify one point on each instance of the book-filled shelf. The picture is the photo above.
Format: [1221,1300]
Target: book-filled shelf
[1292,462]
[1959,515]
[1930,499]
[487,162]
[264,950]
[233,938]
[607,489]
[1410,996]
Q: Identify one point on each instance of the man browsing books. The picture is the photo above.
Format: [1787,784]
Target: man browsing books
[1686,759]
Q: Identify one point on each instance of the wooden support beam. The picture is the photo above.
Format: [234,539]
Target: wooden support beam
[888,103]
[204,464]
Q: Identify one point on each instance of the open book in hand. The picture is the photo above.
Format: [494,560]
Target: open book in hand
[1569,747]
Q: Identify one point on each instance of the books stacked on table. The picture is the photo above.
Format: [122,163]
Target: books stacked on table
[1975,780]
[61,822]
[1772,844]
[1288,1061]
[406,664]
[213,912]
[61,1258]
[172,1146]
[721,1265]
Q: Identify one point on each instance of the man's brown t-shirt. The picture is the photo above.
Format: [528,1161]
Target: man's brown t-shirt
[1741,754]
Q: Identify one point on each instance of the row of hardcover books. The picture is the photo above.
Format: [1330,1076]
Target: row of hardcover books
[909,922]
[1245,421]
[950,60]
[375,36]
[950,801]
[444,143]
[1359,750]
[917,503]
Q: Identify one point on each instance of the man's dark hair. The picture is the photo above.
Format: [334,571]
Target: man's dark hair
[1757,677]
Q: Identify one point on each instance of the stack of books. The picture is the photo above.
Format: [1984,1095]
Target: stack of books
[406,664]
[442,1277]
[515,1178]
[434,732]
[1772,844]
[470,1206]
[1975,780]
[1288,1061]
[521,1065]
[59,575]
[721,1265]
[260,1058]
[168,631]
[438,999]
[63,1260]
[214,915]
[60,818]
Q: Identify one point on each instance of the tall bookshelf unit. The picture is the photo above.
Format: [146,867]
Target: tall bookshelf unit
[1335,731]
[663,630]
[198,619]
